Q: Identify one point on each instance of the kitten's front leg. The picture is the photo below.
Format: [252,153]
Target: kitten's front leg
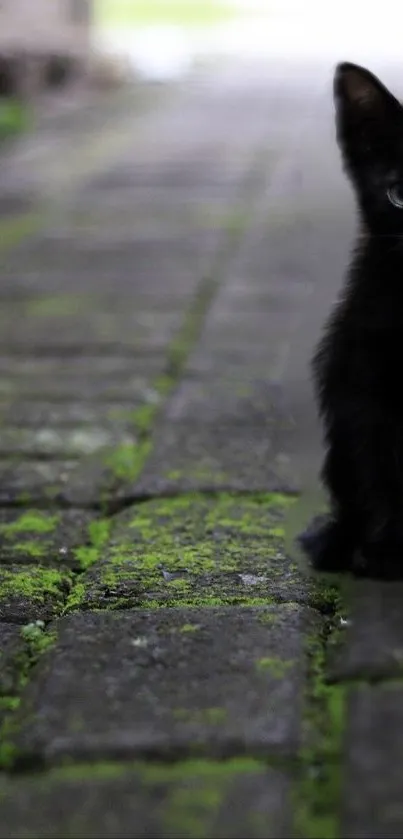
[381,542]
[330,541]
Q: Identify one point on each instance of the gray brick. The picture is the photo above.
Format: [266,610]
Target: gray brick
[212,436]
[85,378]
[170,682]
[33,482]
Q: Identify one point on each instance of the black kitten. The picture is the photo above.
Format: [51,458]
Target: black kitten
[358,361]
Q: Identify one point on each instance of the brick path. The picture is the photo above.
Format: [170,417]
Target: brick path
[169,667]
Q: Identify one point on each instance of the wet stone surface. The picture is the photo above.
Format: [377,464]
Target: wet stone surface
[169,682]
[210,438]
[92,377]
[33,482]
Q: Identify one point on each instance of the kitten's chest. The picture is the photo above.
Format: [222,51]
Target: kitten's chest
[376,361]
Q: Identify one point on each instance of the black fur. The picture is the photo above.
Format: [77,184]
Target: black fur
[358,362]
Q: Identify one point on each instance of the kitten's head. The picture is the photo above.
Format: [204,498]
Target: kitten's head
[370,134]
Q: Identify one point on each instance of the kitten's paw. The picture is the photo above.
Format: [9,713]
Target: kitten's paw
[328,544]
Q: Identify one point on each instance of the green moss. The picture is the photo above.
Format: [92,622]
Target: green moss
[327,595]
[8,749]
[318,797]
[76,597]
[187,335]
[36,642]
[36,550]
[14,230]
[163,384]
[276,666]
[59,305]
[198,790]
[158,774]
[34,583]
[9,703]
[15,117]
[37,638]
[194,550]
[143,417]
[126,461]
[268,618]
[201,716]
[33,521]
[88,772]
[98,533]
[192,811]
[190,627]
[86,556]
[190,602]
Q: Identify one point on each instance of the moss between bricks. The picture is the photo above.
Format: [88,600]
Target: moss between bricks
[318,795]
[125,462]
[98,533]
[190,793]
[59,305]
[153,772]
[37,641]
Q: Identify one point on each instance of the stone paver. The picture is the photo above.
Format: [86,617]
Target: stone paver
[168,666]
[237,799]
[162,684]
[196,551]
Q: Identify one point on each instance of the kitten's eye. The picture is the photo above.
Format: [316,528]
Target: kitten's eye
[395,195]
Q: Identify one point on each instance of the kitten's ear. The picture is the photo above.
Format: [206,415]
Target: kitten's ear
[359,94]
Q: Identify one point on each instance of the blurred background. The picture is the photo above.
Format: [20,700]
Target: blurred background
[51,45]
[143,139]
